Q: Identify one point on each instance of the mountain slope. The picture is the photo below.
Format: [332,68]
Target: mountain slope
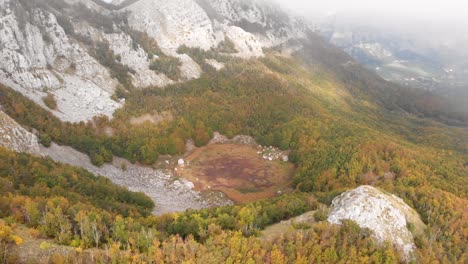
[79,52]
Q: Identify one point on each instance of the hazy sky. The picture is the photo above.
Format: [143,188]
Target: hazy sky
[439,10]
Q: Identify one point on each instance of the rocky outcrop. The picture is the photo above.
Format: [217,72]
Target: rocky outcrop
[16,138]
[385,214]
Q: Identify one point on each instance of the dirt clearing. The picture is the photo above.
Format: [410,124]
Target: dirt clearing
[238,171]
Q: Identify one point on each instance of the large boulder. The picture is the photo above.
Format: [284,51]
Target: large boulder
[387,215]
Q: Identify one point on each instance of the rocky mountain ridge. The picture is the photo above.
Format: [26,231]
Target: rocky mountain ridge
[79,51]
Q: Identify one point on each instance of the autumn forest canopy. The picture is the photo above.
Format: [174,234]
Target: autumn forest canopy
[339,136]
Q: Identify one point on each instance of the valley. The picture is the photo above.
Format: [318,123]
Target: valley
[215,131]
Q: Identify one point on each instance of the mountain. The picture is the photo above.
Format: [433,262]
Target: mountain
[247,102]
[78,52]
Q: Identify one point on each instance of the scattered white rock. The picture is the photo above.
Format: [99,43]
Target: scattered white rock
[271,153]
[189,184]
[181,162]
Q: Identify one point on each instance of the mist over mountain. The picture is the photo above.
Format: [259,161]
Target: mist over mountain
[418,44]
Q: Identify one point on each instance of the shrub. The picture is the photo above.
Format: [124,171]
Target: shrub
[45,140]
[321,214]
[227,46]
[167,65]
[49,101]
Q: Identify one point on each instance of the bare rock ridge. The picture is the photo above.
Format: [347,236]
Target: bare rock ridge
[385,214]
[37,57]
[16,138]
[47,48]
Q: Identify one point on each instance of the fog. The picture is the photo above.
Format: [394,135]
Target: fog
[428,22]
[436,11]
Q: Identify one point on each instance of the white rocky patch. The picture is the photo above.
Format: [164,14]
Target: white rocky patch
[189,68]
[16,138]
[137,59]
[272,153]
[246,43]
[173,23]
[385,214]
[81,100]
[215,64]
[277,26]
